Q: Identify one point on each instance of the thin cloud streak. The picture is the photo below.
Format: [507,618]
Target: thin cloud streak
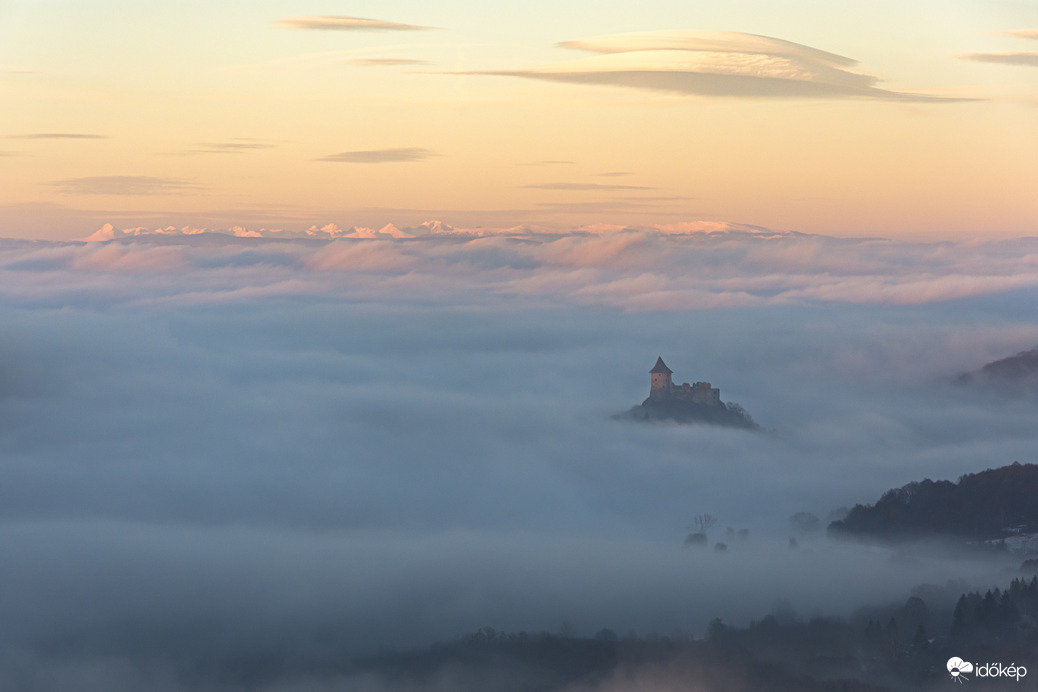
[235,146]
[1028,59]
[585,186]
[386,62]
[124,185]
[341,56]
[611,206]
[399,155]
[238,145]
[547,162]
[1027,34]
[330,22]
[60,135]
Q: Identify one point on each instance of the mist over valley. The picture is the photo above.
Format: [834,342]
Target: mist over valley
[216,448]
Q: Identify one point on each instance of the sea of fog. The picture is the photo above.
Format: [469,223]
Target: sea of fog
[211,444]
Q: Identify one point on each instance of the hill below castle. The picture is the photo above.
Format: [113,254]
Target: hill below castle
[730,414]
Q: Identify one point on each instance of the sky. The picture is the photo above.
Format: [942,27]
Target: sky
[886,119]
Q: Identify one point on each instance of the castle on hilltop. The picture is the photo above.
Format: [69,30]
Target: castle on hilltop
[662,388]
[687,403]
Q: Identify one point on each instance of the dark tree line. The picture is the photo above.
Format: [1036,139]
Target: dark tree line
[999,617]
[984,505]
[896,647]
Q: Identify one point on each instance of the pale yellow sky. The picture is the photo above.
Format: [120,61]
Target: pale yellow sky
[840,118]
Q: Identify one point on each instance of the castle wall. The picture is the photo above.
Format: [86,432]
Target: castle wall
[699,393]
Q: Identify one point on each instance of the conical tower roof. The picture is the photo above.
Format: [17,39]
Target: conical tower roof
[661,367]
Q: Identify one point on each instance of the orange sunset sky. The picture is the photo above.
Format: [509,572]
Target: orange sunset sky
[899,119]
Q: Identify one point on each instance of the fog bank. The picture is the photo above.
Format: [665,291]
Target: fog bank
[242,445]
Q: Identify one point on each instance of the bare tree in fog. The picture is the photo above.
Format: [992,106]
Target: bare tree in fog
[700,525]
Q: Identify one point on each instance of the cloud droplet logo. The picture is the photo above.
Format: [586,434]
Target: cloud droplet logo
[957,668]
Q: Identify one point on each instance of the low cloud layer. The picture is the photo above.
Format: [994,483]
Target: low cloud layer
[718,64]
[679,266]
[223,447]
[334,22]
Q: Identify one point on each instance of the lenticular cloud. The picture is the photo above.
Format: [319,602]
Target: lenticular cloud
[714,64]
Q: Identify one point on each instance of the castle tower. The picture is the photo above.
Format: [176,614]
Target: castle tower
[660,383]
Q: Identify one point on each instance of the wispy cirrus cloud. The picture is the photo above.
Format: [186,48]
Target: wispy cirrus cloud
[124,185]
[237,145]
[547,162]
[398,155]
[59,135]
[1027,34]
[714,64]
[610,206]
[1028,59]
[1025,58]
[584,187]
[335,22]
[386,62]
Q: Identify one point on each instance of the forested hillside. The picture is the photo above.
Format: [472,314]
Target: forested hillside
[986,505]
